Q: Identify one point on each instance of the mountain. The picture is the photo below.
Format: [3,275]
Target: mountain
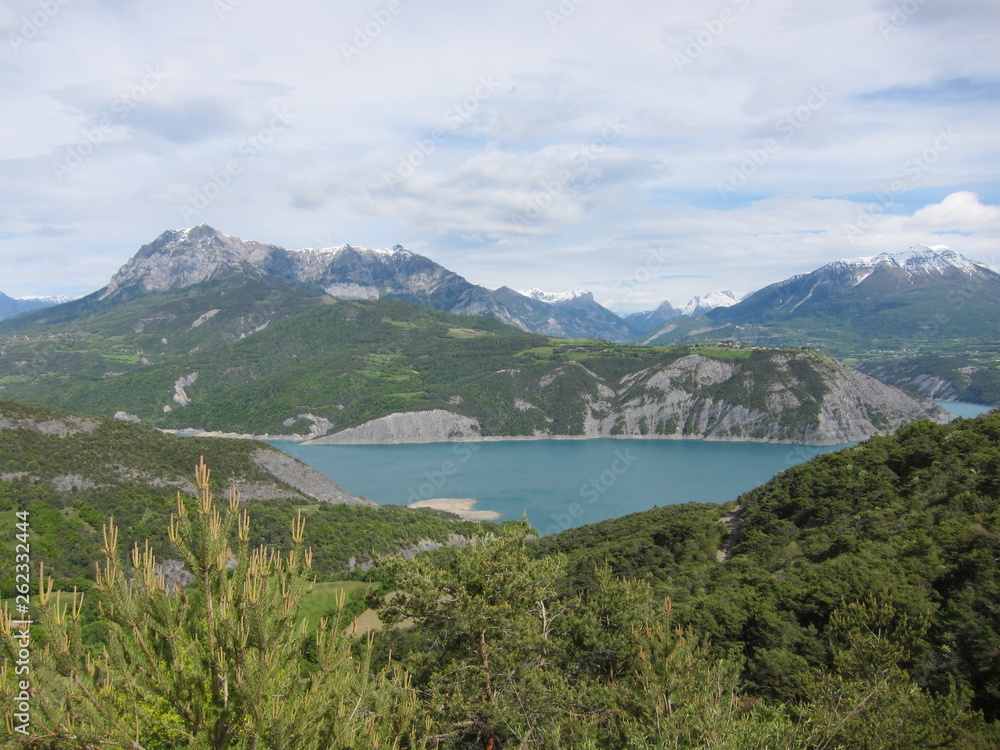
[186,259]
[891,283]
[644,322]
[388,371]
[701,305]
[925,300]
[10,306]
[553,297]
[949,377]
[715,393]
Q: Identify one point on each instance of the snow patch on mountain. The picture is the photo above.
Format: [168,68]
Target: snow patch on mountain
[919,259]
[47,301]
[701,305]
[554,298]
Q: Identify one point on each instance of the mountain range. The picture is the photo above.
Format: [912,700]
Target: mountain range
[181,258]
[891,301]
[884,313]
[10,306]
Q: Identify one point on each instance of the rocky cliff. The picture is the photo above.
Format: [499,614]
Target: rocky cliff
[767,396]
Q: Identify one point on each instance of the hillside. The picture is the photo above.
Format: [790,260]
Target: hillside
[73,472]
[918,319]
[968,376]
[910,520]
[853,607]
[344,370]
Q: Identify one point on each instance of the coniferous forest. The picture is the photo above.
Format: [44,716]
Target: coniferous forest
[850,602]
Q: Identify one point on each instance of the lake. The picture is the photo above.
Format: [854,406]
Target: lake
[560,484]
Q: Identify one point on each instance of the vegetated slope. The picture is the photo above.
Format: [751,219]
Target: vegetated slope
[927,319]
[908,300]
[71,473]
[952,377]
[349,364]
[910,521]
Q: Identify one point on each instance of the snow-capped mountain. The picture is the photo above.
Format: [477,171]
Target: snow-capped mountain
[916,290]
[853,285]
[642,323]
[919,260]
[10,306]
[179,259]
[553,298]
[701,305]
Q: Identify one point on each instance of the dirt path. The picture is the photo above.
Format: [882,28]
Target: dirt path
[731,522]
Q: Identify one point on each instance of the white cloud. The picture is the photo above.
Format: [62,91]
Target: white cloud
[514,98]
[960,212]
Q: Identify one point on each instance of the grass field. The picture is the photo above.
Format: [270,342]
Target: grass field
[323,600]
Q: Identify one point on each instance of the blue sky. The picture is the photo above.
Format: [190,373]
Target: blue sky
[642,150]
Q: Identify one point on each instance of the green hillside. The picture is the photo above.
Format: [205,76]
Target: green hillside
[344,363]
[851,603]
[72,473]
[911,521]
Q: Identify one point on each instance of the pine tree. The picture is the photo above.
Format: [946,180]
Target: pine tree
[214,664]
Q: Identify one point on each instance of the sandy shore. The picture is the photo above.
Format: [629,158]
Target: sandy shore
[463,508]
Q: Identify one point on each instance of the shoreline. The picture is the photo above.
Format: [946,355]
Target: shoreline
[461,507]
[308,441]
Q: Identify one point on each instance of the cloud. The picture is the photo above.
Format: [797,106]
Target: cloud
[445,135]
[960,212]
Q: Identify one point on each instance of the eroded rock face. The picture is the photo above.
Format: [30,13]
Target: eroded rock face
[59,427]
[304,478]
[794,397]
[436,426]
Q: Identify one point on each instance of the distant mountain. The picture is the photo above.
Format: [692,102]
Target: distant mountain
[926,300]
[896,302]
[183,259]
[553,298]
[701,305]
[644,322]
[867,286]
[10,306]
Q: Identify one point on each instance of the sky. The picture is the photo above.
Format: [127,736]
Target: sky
[642,150]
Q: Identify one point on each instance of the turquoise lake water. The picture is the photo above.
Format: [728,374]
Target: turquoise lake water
[560,484]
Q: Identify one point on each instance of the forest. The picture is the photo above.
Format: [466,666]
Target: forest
[854,605]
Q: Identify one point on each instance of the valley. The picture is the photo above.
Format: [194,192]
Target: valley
[205,332]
